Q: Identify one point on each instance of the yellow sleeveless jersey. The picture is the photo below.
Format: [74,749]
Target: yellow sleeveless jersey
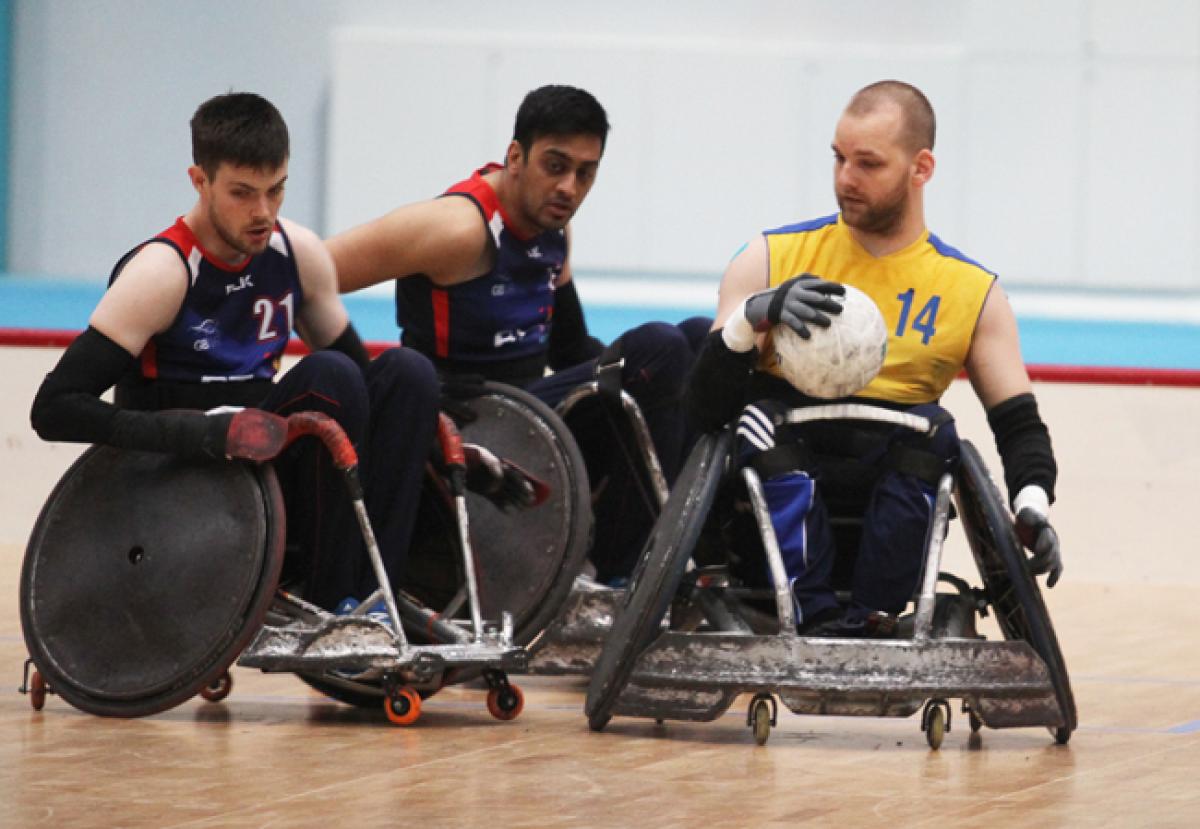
[930,296]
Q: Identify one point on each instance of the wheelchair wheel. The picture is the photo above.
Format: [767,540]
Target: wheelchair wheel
[657,575]
[526,560]
[1010,587]
[146,575]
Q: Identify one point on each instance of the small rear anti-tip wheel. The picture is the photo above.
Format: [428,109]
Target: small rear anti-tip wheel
[37,691]
[403,706]
[1061,734]
[762,717]
[218,689]
[935,723]
[972,718]
[505,702]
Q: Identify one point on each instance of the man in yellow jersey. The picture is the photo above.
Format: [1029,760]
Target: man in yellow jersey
[944,313]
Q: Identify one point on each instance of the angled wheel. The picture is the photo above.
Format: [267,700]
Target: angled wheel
[526,560]
[657,574]
[506,702]
[146,575]
[1010,587]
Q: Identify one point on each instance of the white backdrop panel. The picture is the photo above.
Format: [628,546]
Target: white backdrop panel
[711,142]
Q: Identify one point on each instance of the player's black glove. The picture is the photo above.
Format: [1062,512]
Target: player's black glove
[797,303]
[1033,528]
[802,301]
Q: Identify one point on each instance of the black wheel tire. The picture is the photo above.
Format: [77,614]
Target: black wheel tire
[657,574]
[255,481]
[1011,589]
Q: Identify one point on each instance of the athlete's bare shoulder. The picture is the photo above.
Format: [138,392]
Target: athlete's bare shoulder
[145,297]
[445,239]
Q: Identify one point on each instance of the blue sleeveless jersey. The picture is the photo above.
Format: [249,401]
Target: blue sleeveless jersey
[235,320]
[497,319]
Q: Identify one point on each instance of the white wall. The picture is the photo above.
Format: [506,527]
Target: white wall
[1067,146]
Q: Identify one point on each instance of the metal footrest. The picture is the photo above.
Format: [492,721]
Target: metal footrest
[571,644]
[359,644]
[696,677]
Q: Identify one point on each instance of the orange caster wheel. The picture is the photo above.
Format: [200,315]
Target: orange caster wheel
[218,689]
[37,691]
[403,706]
[505,702]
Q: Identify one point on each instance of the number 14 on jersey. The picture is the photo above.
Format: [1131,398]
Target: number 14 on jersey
[925,319]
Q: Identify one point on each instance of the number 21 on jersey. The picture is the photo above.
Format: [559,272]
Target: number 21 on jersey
[264,310]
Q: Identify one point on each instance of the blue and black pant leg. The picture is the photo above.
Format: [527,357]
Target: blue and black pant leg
[405,393]
[798,515]
[897,519]
[323,544]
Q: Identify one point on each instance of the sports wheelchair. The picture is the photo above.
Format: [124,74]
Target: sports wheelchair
[130,605]
[687,640]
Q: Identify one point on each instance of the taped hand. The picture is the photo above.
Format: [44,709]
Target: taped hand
[1033,528]
[250,434]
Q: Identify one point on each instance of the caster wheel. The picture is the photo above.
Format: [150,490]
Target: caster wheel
[760,721]
[505,702]
[935,727]
[218,689]
[760,716]
[403,706]
[975,722]
[1061,734]
[37,691]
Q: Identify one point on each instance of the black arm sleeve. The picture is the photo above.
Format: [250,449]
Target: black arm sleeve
[717,385]
[68,406]
[570,343]
[1024,445]
[349,344]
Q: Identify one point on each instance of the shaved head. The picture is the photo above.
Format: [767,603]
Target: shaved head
[918,126]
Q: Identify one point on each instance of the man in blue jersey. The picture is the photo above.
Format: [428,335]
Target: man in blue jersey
[198,316]
[484,287]
[945,314]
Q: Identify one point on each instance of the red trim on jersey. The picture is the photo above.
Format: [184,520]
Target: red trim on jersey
[149,360]
[478,188]
[441,320]
[185,237]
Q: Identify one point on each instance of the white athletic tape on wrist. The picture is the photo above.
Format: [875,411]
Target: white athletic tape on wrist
[737,332]
[1032,497]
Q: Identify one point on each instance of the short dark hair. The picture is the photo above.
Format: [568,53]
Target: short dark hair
[920,126]
[559,110]
[241,128]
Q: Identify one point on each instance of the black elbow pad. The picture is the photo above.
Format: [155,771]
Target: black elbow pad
[1023,442]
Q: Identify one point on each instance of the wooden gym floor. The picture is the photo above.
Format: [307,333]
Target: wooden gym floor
[277,754]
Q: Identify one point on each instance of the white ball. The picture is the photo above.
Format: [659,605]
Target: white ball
[837,361]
